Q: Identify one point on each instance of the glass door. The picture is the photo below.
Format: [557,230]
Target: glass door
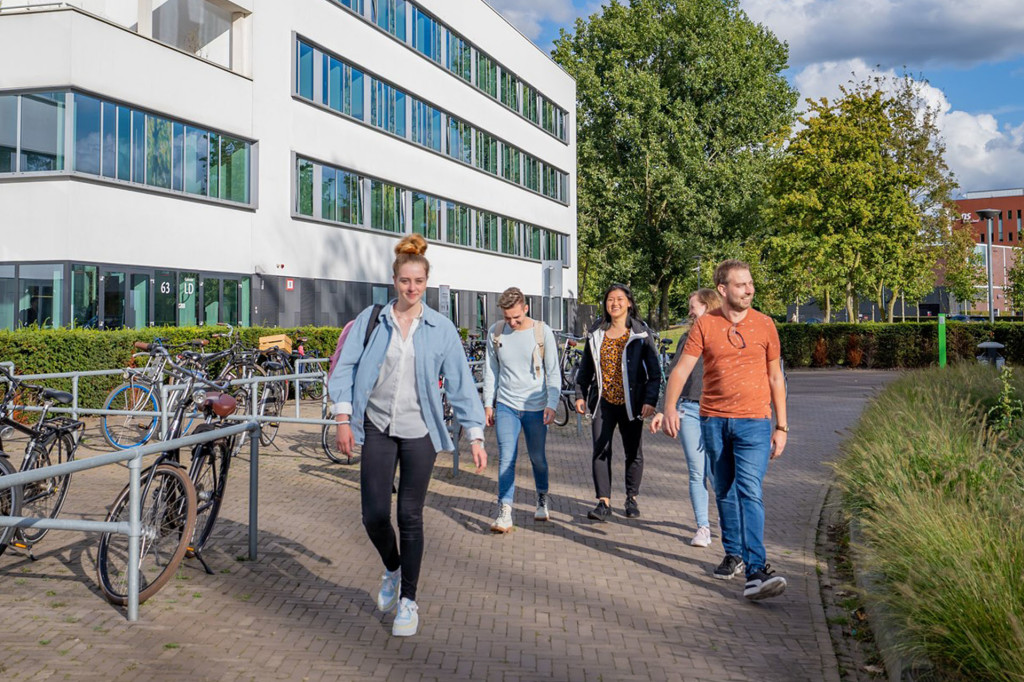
[188,299]
[165,298]
[112,312]
[138,301]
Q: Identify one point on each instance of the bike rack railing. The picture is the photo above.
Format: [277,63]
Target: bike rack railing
[133,528]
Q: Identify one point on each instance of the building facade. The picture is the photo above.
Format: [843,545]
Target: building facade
[255,161]
[1004,246]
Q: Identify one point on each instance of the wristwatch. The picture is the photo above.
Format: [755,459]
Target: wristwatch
[780,427]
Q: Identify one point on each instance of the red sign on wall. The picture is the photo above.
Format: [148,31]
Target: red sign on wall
[289,285]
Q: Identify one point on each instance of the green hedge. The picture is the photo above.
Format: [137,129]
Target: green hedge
[888,346]
[45,351]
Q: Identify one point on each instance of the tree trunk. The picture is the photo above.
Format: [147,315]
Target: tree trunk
[891,310]
[850,303]
[880,296]
[663,321]
[828,307]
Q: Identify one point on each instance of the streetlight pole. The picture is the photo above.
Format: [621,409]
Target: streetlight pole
[987,214]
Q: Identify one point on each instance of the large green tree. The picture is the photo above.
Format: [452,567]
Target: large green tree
[962,266]
[680,105]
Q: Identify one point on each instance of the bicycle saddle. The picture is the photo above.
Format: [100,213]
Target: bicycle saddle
[222,404]
[62,397]
[273,365]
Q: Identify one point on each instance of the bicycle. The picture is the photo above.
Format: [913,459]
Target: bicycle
[169,506]
[52,441]
[10,502]
[140,393]
[569,364]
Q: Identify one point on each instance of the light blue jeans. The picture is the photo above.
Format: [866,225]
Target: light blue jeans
[738,450]
[507,425]
[696,460]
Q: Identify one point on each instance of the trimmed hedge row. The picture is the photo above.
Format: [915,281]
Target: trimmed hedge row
[888,346]
[46,351]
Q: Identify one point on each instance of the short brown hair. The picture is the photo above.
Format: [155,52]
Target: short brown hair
[727,266]
[709,298]
[511,297]
[411,250]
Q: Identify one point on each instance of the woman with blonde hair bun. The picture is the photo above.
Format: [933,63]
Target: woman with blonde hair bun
[386,397]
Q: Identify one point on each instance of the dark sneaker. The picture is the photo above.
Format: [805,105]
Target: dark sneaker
[762,584]
[730,567]
[600,513]
[632,510]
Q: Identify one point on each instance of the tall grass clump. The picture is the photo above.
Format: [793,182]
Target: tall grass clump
[933,474]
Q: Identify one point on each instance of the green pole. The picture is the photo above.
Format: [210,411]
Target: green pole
[942,340]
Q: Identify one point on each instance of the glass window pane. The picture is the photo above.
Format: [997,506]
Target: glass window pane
[356,94]
[178,153]
[460,57]
[138,301]
[109,140]
[510,163]
[530,109]
[486,231]
[215,180]
[113,300]
[8,297]
[158,152]
[486,74]
[350,198]
[41,288]
[386,207]
[165,299]
[486,152]
[426,34]
[460,140]
[124,143]
[510,91]
[328,193]
[510,237]
[335,84]
[138,147]
[426,215]
[304,77]
[390,16]
[8,137]
[197,154]
[211,300]
[188,299]
[85,296]
[87,134]
[304,192]
[426,125]
[457,224]
[229,313]
[234,169]
[42,132]
[243,301]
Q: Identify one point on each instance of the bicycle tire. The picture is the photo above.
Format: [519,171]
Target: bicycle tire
[562,411]
[328,439]
[44,499]
[10,503]
[168,515]
[126,431]
[209,474]
[271,404]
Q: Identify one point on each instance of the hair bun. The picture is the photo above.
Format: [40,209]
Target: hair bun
[413,245]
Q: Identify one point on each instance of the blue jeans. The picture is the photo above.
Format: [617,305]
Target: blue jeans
[738,450]
[696,461]
[507,425]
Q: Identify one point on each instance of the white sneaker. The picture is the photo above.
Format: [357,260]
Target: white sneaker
[408,620]
[702,538]
[389,586]
[542,508]
[503,523]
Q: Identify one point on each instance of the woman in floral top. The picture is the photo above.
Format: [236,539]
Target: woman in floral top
[618,383]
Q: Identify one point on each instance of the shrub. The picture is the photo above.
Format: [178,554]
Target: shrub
[854,355]
[819,357]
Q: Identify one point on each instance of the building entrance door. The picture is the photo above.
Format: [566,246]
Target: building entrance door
[124,299]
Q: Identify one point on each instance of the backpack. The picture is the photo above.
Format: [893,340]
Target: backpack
[374,321]
[538,336]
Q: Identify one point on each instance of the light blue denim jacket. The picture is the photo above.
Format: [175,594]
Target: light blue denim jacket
[438,351]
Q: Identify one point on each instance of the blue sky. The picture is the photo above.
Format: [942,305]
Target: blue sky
[971,55]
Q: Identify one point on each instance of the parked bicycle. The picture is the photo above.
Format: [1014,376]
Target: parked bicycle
[51,441]
[570,356]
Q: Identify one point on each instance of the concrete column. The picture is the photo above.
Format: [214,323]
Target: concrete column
[145,24]
[241,43]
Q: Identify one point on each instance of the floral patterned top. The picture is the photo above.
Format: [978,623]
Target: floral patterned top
[611,369]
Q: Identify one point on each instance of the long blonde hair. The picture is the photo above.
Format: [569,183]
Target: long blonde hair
[709,298]
[411,250]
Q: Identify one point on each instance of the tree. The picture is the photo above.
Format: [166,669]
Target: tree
[963,268]
[680,105]
[1013,292]
[861,193]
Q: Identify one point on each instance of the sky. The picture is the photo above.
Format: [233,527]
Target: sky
[971,55]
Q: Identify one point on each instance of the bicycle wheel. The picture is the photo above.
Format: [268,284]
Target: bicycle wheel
[125,431]
[328,439]
[271,404]
[168,515]
[10,503]
[44,499]
[209,474]
[562,412]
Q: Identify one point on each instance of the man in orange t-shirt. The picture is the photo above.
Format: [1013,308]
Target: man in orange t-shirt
[742,381]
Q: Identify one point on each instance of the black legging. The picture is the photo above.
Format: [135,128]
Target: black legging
[606,418]
[381,453]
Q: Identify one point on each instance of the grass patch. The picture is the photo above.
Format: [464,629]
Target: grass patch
[937,483]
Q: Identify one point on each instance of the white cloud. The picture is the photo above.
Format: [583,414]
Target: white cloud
[894,32]
[529,15]
[980,153]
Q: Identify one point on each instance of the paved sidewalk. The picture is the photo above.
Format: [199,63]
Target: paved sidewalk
[567,600]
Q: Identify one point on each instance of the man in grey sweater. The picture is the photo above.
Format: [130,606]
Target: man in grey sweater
[522,386]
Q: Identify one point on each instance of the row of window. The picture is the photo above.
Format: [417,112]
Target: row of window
[327,80]
[119,142]
[998,224]
[333,194]
[431,38]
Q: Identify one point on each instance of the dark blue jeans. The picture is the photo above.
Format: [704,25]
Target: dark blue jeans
[738,450]
[507,425]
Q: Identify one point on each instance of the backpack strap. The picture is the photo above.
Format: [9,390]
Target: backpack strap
[538,351]
[374,321]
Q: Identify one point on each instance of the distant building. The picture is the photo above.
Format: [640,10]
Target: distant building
[255,161]
[1006,240]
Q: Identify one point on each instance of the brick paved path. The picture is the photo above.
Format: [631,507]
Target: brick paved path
[567,600]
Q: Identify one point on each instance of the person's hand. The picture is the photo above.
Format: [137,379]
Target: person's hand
[779,439]
[479,456]
[581,407]
[671,425]
[656,422]
[344,439]
[647,411]
[489,416]
[549,415]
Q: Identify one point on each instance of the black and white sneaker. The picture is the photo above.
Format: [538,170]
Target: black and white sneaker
[730,567]
[763,584]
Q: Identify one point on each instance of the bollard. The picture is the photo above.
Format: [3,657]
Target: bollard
[942,339]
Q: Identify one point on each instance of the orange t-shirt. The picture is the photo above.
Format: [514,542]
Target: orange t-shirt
[736,361]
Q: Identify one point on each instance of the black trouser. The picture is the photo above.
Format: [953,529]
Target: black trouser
[381,454]
[606,418]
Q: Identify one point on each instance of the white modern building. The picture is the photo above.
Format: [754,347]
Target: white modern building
[255,161]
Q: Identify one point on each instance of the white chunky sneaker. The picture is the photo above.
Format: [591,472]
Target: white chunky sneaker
[503,523]
[408,620]
[389,586]
[542,508]
[702,538]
